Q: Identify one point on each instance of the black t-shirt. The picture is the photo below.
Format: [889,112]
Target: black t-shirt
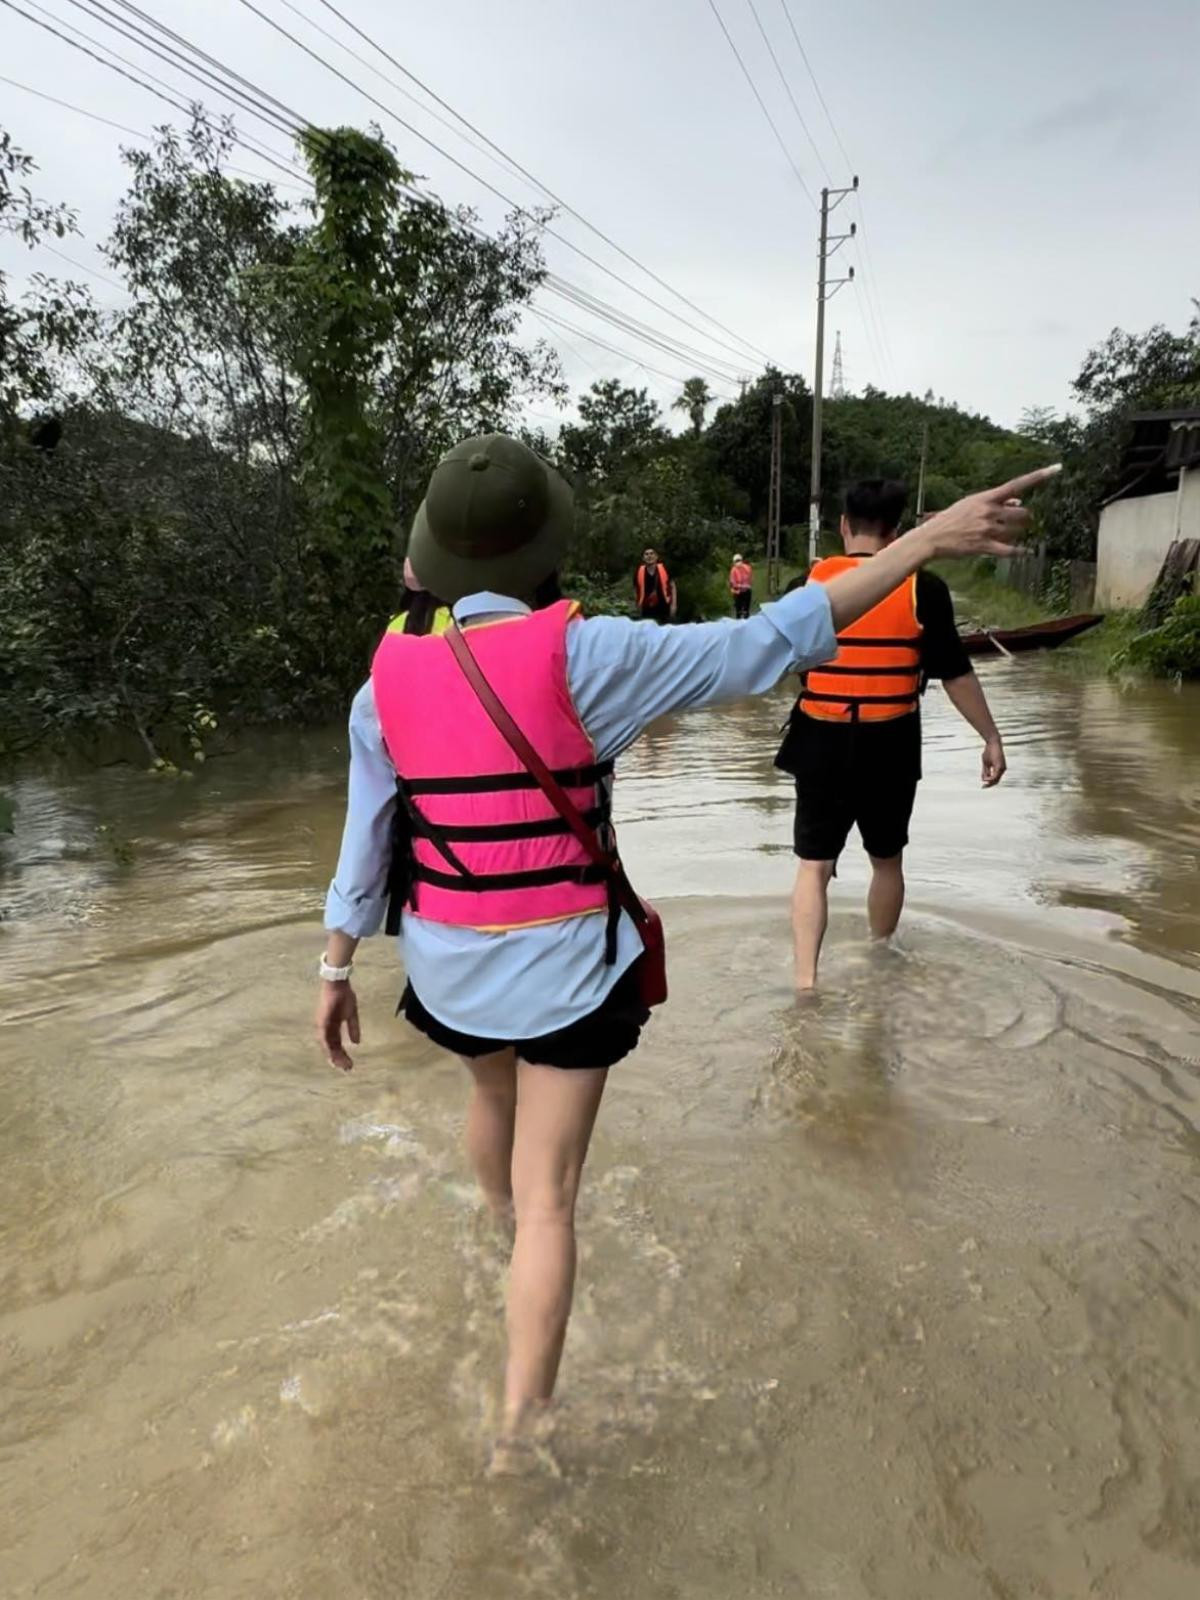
[896,742]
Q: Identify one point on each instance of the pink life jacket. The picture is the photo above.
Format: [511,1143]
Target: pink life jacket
[488,849]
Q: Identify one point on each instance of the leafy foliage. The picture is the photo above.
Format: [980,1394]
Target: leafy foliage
[695,401]
[1126,373]
[48,323]
[216,531]
[1170,650]
[209,528]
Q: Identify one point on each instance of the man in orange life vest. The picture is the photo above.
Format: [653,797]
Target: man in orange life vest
[741,586]
[654,589]
[854,740]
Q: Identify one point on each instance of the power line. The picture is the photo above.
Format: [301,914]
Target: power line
[490,187]
[136,133]
[873,282]
[660,340]
[587,302]
[260,97]
[67,106]
[761,103]
[144,41]
[129,76]
[578,354]
[581,333]
[525,173]
[788,90]
[478,145]
[804,57]
[870,289]
[79,266]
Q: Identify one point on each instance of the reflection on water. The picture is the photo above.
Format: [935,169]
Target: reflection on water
[895,1294]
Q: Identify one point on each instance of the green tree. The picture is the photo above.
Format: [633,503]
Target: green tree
[736,450]
[337,298]
[1124,374]
[695,401]
[618,429]
[186,549]
[47,323]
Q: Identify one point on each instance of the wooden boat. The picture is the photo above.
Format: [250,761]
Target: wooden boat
[1039,636]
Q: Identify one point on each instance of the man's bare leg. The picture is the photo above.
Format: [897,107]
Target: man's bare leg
[885,898]
[810,917]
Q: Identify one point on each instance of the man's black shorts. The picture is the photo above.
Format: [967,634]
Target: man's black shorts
[846,777]
[601,1039]
[828,806]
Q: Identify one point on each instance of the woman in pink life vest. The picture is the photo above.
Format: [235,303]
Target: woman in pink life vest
[522,953]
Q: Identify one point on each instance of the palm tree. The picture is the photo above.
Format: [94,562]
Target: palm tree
[695,400]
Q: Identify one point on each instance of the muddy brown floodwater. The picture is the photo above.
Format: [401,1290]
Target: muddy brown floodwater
[895,1296]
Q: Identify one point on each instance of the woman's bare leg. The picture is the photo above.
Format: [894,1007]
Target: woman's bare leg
[556,1110]
[491,1116]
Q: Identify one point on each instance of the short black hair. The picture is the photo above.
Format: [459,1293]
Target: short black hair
[876,503]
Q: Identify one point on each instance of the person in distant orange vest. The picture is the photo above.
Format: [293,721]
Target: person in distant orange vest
[854,740]
[741,585]
[654,589]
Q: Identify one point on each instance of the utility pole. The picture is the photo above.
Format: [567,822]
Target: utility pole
[826,289]
[921,474]
[774,496]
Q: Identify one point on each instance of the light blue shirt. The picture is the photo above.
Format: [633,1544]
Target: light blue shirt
[622,675]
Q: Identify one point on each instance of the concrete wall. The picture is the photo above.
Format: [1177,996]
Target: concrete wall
[1029,574]
[1135,535]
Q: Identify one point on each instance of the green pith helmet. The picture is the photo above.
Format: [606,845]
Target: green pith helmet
[495,516]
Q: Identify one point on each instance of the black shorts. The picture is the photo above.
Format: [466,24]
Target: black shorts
[864,774]
[601,1039]
[829,804]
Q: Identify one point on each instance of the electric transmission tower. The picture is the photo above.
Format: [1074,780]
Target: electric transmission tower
[837,387]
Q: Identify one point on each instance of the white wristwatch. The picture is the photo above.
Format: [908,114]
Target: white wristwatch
[334,974]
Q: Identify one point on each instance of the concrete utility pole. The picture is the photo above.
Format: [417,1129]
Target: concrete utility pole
[774,496]
[826,289]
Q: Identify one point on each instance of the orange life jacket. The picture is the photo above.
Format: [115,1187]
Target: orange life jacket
[876,674]
[741,576]
[664,584]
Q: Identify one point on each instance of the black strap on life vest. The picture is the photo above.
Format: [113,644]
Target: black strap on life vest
[408,872]
[853,702]
[503,782]
[535,878]
[860,643]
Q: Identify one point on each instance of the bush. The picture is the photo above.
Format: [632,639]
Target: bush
[1170,650]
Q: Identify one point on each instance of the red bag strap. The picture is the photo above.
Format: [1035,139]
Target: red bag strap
[537,769]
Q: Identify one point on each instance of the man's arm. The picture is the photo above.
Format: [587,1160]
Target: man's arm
[623,674]
[943,657]
[968,699]
[989,524]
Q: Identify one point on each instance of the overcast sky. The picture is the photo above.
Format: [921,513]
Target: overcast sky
[1028,171]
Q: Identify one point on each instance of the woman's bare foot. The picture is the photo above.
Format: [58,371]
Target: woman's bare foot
[524,1448]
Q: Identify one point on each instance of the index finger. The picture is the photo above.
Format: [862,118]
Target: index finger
[1016,487]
